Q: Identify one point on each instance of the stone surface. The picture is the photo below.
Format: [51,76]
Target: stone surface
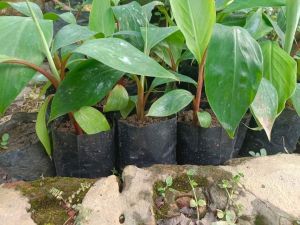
[13,208]
[271,189]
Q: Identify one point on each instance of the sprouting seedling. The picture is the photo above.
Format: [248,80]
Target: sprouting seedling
[168,184]
[4,141]
[195,202]
[231,188]
[261,153]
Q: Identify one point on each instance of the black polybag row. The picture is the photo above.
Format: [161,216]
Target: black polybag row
[86,156]
[148,145]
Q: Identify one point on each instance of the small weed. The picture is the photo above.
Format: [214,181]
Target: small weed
[71,205]
[233,210]
[261,153]
[196,202]
[168,184]
[4,141]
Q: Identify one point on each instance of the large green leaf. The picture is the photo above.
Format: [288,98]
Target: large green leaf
[170,103]
[281,70]
[130,18]
[117,99]
[122,56]
[233,74]
[292,21]
[265,105]
[23,8]
[41,127]
[257,25]
[102,18]
[85,85]
[91,120]
[71,34]
[19,39]
[296,99]
[195,19]
[245,4]
[154,35]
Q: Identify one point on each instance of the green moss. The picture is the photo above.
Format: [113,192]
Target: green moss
[45,209]
[260,220]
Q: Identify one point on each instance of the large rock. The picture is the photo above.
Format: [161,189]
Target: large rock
[271,191]
[13,208]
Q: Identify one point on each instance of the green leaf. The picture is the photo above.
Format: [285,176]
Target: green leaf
[117,100]
[195,19]
[182,78]
[67,17]
[19,39]
[257,25]
[292,21]
[130,18]
[233,74]
[296,99]
[87,84]
[102,18]
[193,203]
[5,137]
[148,8]
[246,4]
[130,106]
[41,127]
[265,106]
[281,70]
[154,35]
[71,34]
[204,119]
[170,103]
[122,56]
[170,50]
[23,8]
[201,203]
[91,120]
[169,181]
[191,172]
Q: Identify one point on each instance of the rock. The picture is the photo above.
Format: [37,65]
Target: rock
[13,208]
[278,201]
[218,197]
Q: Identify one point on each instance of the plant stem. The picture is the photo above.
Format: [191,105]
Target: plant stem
[195,197]
[140,110]
[49,76]
[44,42]
[197,100]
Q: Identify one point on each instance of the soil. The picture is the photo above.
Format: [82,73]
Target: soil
[66,126]
[187,117]
[21,136]
[132,120]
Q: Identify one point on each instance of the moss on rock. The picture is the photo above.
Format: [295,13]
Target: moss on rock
[45,209]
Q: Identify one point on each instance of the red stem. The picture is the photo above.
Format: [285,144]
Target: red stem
[48,75]
[197,100]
